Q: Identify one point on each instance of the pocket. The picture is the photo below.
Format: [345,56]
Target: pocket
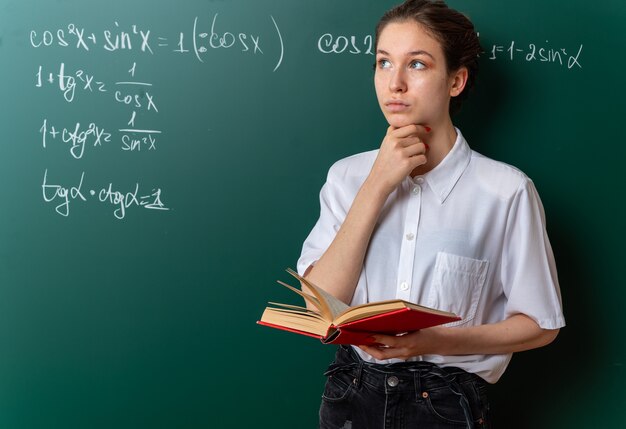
[457,285]
[338,387]
[445,404]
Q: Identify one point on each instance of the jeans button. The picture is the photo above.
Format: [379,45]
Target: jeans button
[393,381]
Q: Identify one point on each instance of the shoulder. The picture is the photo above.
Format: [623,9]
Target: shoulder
[352,168]
[497,177]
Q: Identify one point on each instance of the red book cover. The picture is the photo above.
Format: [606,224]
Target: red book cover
[285,328]
[392,323]
[359,332]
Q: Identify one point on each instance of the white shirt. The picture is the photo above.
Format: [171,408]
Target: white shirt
[468,237]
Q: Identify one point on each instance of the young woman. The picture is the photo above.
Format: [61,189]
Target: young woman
[428,220]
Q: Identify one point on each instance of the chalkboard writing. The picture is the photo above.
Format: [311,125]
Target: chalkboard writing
[532,52]
[329,43]
[130,92]
[202,38]
[63,195]
[78,137]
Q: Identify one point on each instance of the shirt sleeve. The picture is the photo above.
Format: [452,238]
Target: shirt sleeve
[529,274]
[332,215]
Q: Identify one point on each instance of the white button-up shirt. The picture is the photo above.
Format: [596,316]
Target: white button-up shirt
[467,237]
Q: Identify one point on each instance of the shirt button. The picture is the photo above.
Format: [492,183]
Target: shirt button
[393,381]
[404,286]
[410,236]
[419,180]
[416,190]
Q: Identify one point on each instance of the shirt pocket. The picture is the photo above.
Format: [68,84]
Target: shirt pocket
[457,285]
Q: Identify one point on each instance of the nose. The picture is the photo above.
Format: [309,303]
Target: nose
[397,83]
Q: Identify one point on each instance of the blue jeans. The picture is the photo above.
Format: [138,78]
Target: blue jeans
[363,395]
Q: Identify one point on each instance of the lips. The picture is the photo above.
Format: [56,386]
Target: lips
[396,105]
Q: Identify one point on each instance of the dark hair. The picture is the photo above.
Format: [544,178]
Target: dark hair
[453,30]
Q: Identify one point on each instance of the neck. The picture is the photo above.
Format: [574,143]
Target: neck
[440,142]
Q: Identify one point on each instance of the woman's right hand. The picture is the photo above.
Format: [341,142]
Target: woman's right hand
[401,152]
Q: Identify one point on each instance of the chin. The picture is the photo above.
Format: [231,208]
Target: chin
[397,122]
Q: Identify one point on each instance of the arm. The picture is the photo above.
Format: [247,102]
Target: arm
[515,334]
[339,268]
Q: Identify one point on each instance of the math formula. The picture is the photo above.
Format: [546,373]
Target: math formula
[64,196]
[203,35]
[542,53]
[566,57]
[76,139]
[127,88]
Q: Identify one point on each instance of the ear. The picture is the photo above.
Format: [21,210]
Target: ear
[458,79]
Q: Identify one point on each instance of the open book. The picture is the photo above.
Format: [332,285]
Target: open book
[336,323]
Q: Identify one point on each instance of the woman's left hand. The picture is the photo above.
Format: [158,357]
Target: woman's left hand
[416,343]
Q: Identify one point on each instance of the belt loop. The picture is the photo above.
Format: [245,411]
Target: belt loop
[417,382]
[359,370]
[359,375]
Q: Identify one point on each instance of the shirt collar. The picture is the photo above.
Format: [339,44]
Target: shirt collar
[445,176]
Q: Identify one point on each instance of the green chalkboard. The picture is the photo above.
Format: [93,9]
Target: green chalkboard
[160,164]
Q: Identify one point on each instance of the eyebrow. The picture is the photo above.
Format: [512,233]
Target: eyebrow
[410,54]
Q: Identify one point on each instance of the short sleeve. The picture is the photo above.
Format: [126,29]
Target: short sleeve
[529,275]
[332,215]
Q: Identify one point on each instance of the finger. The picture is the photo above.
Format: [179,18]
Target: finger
[413,157]
[408,141]
[375,352]
[409,130]
[385,340]
[385,352]
[415,161]
[415,149]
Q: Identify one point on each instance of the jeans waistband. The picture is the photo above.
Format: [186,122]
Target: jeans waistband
[417,376]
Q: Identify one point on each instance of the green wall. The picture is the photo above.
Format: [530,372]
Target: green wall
[127,315]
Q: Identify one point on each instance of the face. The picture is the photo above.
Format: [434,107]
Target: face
[411,79]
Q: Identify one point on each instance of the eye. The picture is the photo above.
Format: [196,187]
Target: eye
[384,64]
[417,65]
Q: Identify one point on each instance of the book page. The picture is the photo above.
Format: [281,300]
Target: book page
[333,305]
[313,300]
[295,307]
[294,320]
[370,309]
[304,313]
